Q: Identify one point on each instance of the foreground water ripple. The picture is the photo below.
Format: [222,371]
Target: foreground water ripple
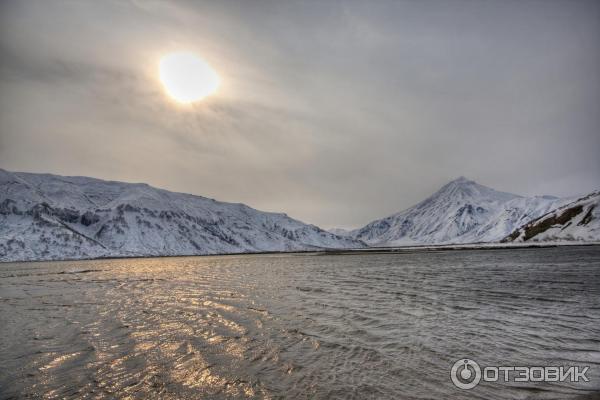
[300,326]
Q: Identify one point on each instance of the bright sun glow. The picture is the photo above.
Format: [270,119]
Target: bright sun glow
[187,78]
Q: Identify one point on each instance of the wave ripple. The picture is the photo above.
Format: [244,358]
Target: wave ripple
[303,326]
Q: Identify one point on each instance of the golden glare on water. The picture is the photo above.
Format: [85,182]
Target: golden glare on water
[187,78]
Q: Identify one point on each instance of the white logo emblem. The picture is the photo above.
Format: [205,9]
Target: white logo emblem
[465,374]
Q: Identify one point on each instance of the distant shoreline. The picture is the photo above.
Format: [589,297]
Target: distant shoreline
[452,247]
[357,251]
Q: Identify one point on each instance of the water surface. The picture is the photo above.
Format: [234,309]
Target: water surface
[299,326]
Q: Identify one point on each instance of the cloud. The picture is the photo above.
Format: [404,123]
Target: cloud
[334,112]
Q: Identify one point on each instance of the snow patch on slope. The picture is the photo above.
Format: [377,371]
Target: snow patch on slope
[577,221]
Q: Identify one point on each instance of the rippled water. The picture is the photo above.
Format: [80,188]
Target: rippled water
[309,326]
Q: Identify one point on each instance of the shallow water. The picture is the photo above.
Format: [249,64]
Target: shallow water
[308,326]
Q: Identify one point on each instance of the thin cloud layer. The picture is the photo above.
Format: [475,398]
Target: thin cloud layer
[335,112]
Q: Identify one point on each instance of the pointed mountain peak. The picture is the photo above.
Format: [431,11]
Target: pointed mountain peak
[462,180]
[465,190]
[460,183]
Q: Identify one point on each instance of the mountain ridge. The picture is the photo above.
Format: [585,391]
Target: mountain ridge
[575,221]
[48,216]
[461,211]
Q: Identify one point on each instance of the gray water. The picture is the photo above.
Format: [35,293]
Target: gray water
[298,326]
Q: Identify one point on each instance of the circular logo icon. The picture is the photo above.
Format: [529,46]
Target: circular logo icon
[465,374]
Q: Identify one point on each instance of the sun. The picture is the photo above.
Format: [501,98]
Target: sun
[187,78]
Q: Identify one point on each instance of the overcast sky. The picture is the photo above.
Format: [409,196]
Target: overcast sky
[335,112]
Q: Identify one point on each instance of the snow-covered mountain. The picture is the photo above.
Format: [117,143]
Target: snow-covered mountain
[44,217]
[576,221]
[462,211]
[340,231]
